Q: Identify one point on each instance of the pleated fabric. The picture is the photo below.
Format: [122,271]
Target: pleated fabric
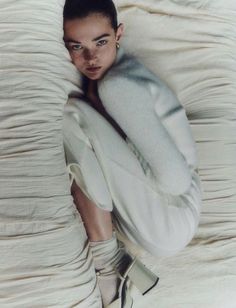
[44,259]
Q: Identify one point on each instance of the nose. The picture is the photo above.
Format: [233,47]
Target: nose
[90,55]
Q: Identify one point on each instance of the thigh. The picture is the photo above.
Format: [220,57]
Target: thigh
[160,223]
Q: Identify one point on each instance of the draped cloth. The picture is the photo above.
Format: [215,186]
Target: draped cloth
[44,259]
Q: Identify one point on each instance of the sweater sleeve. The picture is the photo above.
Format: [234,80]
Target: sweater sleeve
[173,117]
[131,105]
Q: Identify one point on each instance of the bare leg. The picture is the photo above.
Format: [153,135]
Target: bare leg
[103,243]
[97,222]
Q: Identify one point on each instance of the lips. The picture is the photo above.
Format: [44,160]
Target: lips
[93,69]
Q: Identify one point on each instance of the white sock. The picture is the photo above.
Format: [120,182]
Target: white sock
[109,255]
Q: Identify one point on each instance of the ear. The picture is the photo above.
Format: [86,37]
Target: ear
[119,31]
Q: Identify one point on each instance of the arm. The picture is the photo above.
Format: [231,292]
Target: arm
[132,106]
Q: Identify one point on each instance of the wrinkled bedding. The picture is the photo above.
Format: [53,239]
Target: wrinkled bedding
[44,256]
[191,45]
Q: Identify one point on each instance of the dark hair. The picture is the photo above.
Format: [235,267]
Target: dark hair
[82,8]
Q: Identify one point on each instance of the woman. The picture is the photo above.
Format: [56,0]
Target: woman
[129,151]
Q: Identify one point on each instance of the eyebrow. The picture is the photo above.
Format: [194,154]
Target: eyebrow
[95,39]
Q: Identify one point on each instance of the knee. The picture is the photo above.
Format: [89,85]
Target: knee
[175,236]
[172,246]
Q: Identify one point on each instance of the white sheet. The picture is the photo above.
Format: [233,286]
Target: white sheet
[191,45]
[44,257]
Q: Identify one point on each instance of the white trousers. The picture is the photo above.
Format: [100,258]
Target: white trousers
[113,174]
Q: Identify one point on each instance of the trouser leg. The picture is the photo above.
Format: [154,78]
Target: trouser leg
[163,224]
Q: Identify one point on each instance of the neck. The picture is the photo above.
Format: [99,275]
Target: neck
[91,92]
[92,86]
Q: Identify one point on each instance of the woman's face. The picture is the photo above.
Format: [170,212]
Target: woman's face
[91,42]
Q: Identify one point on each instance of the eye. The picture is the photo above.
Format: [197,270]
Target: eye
[76,47]
[101,42]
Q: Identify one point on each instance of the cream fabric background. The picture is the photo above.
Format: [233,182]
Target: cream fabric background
[44,257]
[192,46]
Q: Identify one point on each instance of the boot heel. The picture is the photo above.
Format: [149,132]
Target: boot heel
[141,276]
[125,299]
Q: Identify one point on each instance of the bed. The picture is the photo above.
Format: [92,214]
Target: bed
[189,44]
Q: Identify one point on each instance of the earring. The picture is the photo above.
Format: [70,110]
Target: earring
[117,45]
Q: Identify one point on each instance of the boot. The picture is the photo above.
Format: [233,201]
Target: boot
[130,271]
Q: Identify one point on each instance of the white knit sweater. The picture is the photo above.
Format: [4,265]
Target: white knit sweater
[153,119]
